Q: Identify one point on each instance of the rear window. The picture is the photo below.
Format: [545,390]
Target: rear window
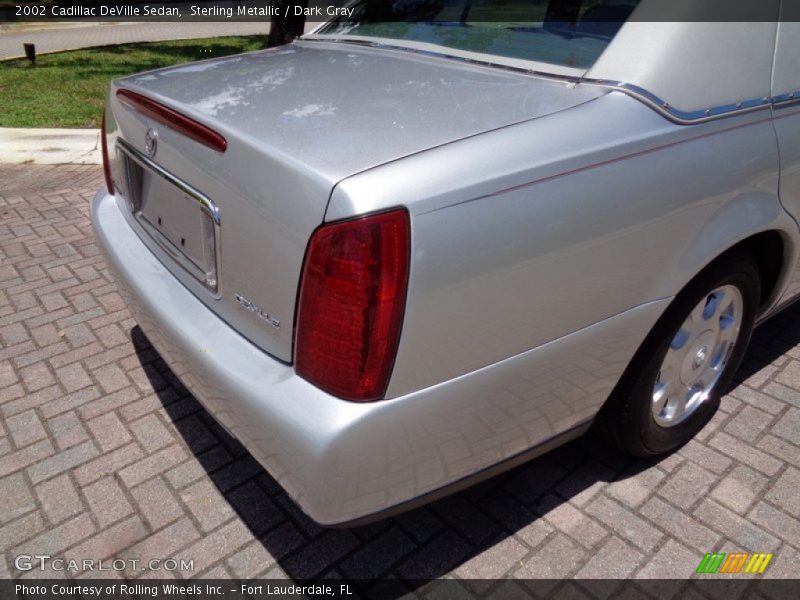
[569,33]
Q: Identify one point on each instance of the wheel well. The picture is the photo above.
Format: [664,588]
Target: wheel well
[767,247]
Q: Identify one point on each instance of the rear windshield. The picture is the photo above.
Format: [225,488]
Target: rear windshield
[569,33]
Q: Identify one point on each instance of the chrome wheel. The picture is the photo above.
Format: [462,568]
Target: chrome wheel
[697,356]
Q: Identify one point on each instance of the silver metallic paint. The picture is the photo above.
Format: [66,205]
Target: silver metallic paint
[786,77]
[692,65]
[342,460]
[507,253]
[284,154]
[549,234]
[728,107]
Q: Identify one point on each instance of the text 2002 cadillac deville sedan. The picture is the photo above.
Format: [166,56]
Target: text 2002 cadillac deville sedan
[394,257]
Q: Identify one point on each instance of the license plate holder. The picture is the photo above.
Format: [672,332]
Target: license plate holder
[183,221]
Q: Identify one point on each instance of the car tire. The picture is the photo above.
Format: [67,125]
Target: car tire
[674,383]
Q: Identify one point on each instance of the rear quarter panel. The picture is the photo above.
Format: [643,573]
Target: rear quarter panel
[524,235]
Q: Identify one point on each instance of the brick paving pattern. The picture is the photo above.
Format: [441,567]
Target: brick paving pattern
[104,454]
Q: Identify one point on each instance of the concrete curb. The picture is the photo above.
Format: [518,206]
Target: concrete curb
[50,146]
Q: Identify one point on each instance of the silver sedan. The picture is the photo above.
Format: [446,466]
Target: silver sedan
[400,255]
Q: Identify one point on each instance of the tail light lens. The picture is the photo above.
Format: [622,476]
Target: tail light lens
[104,148]
[352,298]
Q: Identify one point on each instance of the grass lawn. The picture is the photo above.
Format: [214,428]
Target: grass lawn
[68,89]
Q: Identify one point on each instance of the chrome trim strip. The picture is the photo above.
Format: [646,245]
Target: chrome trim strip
[677,115]
[784,100]
[602,163]
[206,205]
[205,202]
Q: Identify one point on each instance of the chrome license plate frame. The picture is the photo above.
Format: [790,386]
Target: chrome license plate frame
[139,172]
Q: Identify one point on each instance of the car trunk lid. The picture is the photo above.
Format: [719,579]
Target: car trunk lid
[296,121]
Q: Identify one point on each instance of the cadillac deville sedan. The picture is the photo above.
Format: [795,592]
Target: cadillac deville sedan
[402,254]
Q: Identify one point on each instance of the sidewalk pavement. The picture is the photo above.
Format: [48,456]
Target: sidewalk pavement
[73,38]
[50,146]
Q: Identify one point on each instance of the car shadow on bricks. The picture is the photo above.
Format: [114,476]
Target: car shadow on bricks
[545,518]
[771,343]
[489,530]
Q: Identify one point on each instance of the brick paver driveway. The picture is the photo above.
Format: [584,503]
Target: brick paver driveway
[104,454]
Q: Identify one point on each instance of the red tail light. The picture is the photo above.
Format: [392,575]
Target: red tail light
[352,298]
[104,148]
[173,119]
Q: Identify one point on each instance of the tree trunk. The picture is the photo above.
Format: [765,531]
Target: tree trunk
[285,27]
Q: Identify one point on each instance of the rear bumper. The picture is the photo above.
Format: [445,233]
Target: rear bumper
[343,461]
